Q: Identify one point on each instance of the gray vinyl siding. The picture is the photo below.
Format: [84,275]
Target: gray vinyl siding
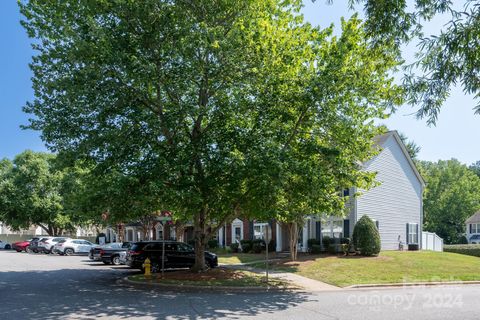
[397,200]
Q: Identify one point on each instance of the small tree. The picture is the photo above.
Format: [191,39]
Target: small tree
[366,238]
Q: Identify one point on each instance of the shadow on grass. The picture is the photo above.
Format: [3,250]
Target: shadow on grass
[93,292]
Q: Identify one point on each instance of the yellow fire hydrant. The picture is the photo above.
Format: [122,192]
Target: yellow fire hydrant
[147,265]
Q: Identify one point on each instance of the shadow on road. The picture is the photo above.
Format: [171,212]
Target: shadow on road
[91,293]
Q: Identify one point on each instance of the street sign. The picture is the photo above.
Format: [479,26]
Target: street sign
[164,219]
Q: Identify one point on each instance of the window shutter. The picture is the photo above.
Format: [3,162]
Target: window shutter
[318,229]
[346,228]
[377,225]
[407,234]
[250,229]
[470,225]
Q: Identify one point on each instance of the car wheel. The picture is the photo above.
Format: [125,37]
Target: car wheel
[7,247]
[155,267]
[69,251]
[116,260]
[27,249]
[18,250]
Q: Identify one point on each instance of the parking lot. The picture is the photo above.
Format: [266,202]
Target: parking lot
[47,287]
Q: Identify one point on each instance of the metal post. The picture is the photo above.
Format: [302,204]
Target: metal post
[163,248]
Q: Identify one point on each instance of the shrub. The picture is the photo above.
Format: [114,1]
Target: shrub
[312,242]
[234,247]
[366,238]
[257,248]
[345,241]
[332,248]
[466,249]
[212,244]
[462,240]
[345,248]
[326,241]
[316,249]
[246,245]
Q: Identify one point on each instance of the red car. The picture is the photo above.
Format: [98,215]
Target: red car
[22,245]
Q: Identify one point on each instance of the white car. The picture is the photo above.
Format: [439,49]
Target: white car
[72,246]
[5,245]
[46,244]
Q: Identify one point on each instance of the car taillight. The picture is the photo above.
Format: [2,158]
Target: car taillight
[102,252]
[135,253]
[59,244]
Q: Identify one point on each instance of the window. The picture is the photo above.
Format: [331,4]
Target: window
[475,228]
[238,233]
[346,192]
[332,227]
[129,235]
[159,231]
[237,230]
[259,230]
[412,233]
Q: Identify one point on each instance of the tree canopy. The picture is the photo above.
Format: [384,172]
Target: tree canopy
[451,196]
[444,60]
[220,107]
[31,193]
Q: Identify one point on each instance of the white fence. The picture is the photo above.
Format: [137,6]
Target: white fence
[430,241]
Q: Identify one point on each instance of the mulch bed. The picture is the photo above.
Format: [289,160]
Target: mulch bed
[209,275]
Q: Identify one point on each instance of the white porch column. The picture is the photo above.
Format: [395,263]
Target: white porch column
[305,236]
[278,240]
[220,237]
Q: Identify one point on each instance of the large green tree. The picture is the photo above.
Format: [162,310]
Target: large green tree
[444,60]
[451,196]
[31,193]
[222,107]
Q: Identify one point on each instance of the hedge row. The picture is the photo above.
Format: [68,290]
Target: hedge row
[467,249]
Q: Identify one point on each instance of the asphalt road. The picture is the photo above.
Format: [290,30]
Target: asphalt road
[56,287]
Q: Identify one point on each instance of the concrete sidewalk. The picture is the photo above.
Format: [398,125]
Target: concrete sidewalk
[295,279]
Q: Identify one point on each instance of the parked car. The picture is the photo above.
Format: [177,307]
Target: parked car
[72,246]
[122,257]
[177,255]
[5,245]
[46,244]
[33,247]
[110,253]
[23,245]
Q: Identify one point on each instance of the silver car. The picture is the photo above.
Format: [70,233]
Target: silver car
[72,246]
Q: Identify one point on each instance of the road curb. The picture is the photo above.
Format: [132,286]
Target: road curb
[410,284]
[203,288]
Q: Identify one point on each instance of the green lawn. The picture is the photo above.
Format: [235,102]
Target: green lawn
[389,267]
[237,258]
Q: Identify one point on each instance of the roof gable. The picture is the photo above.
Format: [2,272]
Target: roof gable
[382,139]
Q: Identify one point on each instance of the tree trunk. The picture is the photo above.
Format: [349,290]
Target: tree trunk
[293,233]
[201,235]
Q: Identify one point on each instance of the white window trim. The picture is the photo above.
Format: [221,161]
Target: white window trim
[412,231]
[235,224]
[158,228]
[475,228]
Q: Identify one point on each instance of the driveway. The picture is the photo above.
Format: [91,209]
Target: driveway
[56,287]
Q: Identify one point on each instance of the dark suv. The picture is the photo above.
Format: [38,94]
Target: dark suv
[177,255]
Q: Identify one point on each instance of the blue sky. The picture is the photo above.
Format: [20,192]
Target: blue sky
[455,136]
